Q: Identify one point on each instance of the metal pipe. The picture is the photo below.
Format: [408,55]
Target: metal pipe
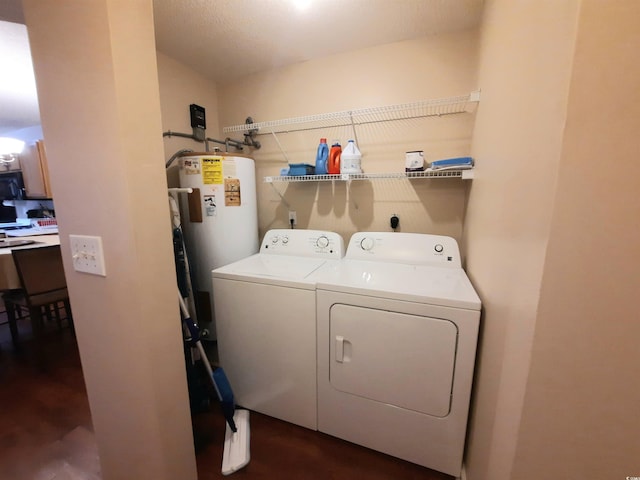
[237,144]
[176,155]
[226,142]
[169,133]
[251,141]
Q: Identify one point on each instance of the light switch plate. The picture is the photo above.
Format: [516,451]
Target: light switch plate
[87,255]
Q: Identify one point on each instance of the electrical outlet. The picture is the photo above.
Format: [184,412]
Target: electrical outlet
[87,255]
[292,216]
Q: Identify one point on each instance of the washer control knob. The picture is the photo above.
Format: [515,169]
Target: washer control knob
[438,248]
[322,242]
[367,243]
[285,240]
[274,240]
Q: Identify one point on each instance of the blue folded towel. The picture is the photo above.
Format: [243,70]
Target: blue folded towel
[461,162]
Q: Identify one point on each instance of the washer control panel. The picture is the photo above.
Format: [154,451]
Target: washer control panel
[412,248]
[303,243]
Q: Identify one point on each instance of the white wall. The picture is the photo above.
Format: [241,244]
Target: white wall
[552,245]
[525,66]
[97,60]
[579,415]
[180,87]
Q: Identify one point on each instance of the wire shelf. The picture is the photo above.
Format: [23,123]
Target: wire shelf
[363,116]
[466,174]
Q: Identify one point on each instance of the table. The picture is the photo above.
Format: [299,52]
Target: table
[9,279]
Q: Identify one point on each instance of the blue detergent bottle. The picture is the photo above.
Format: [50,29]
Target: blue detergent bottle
[321,157]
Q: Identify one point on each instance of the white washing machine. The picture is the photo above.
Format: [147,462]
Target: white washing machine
[398,325]
[265,307]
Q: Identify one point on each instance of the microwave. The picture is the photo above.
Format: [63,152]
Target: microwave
[12,186]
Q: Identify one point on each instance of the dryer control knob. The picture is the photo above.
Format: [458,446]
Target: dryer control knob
[322,242]
[367,243]
[285,239]
[438,248]
[274,239]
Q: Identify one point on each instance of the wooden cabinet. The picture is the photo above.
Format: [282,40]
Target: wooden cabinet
[35,171]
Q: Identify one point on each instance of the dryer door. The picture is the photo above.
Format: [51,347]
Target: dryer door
[393,358]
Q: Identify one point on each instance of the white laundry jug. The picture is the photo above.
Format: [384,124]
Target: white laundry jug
[351,159]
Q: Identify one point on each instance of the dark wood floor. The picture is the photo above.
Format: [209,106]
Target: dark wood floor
[45,429]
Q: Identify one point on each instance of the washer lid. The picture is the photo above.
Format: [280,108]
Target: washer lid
[272,269]
[449,287]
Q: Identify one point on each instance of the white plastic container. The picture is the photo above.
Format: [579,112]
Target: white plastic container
[351,159]
[414,161]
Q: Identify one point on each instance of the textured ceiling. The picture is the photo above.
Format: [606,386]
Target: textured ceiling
[227,39]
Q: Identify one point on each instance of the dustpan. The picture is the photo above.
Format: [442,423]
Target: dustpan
[237,434]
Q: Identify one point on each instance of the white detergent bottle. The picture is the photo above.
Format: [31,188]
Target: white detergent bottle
[350,159]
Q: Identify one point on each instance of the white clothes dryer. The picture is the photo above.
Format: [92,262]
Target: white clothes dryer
[265,307]
[398,325]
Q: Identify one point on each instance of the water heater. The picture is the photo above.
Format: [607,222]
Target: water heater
[221,225]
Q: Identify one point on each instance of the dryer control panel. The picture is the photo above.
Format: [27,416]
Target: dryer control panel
[303,243]
[411,248]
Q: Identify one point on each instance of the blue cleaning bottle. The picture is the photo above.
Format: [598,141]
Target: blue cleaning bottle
[321,157]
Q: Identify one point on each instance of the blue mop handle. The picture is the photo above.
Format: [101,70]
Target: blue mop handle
[219,379]
[194,331]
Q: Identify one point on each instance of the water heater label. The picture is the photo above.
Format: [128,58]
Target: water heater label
[232,192]
[212,171]
[191,167]
[210,205]
[229,168]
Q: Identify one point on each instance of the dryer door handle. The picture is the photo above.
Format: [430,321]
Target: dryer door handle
[343,349]
[339,348]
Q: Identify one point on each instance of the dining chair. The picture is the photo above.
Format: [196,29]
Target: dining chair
[44,287]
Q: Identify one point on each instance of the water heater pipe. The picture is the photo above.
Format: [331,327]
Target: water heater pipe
[228,141]
[176,155]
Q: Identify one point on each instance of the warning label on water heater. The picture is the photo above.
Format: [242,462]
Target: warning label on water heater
[212,171]
[191,166]
[232,192]
[210,205]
